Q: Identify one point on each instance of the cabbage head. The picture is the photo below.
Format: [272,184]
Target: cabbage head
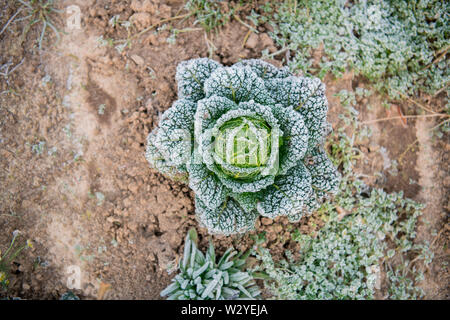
[248,139]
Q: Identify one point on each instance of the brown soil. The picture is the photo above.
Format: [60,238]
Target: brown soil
[89,199]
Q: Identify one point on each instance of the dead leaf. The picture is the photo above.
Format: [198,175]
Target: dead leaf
[104,287]
[341,213]
[402,118]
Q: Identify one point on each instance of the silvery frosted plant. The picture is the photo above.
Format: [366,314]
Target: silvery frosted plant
[202,277]
[248,139]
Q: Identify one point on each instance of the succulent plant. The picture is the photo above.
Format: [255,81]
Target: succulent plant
[248,139]
[203,277]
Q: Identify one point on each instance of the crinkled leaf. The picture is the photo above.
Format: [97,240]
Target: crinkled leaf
[325,177]
[208,111]
[227,219]
[295,137]
[158,161]
[286,196]
[247,200]
[174,137]
[206,185]
[314,111]
[307,96]
[264,69]
[237,84]
[191,76]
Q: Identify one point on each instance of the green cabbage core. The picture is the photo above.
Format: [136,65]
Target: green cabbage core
[243,143]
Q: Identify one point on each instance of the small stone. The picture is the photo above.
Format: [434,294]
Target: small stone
[127,202]
[26,287]
[133,187]
[252,41]
[138,59]
[133,226]
[271,236]
[266,221]
[143,6]
[277,228]
[152,39]
[141,20]
[272,49]
[148,6]
[102,12]
[266,40]
[164,11]
[113,220]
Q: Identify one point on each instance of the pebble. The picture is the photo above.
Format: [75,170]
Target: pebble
[277,228]
[113,220]
[266,221]
[143,6]
[138,59]
[252,41]
[142,20]
[266,40]
[133,187]
[127,202]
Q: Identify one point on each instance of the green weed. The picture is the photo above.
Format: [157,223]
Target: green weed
[40,11]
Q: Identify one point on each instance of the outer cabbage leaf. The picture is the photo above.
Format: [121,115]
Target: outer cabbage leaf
[295,137]
[307,96]
[158,162]
[287,194]
[206,185]
[238,85]
[247,200]
[310,204]
[191,76]
[289,92]
[264,69]
[174,137]
[228,218]
[314,111]
[325,177]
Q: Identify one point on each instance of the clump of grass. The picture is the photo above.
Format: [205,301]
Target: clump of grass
[7,258]
[211,15]
[40,11]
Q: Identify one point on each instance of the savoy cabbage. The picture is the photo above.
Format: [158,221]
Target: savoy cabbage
[248,139]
